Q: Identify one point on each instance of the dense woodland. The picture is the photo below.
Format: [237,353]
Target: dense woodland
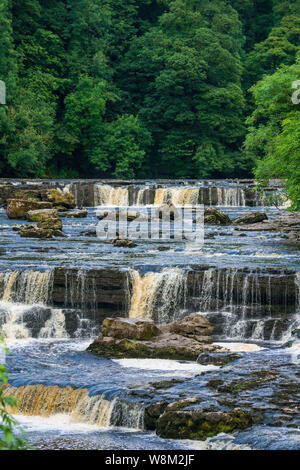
[150,88]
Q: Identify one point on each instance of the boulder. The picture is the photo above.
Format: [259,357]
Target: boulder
[129,215]
[126,338]
[28,195]
[31,231]
[199,425]
[251,218]
[40,231]
[213,216]
[76,214]
[193,325]
[52,224]
[218,358]
[123,243]
[130,328]
[43,214]
[18,209]
[60,198]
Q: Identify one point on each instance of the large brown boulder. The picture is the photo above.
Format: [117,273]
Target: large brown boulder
[18,209]
[136,338]
[165,346]
[193,325]
[129,328]
[199,425]
[213,216]
[40,215]
[251,218]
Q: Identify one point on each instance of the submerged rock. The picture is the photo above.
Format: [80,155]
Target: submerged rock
[218,358]
[123,243]
[144,340]
[45,229]
[251,218]
[213,216]
[199,425]
[77,214]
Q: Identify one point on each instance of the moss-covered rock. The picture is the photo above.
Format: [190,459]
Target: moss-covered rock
[152,414]
[136,338]
[51,224]
[251,218]
[59,198]
[218,358]
[31,231]
[42,215]
[200,425]
[18,209]
[214,217]
[123,243]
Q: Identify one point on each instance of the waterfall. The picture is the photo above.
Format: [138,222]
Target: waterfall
[176,196]
[29,287]
[106,195]
[55,327]
[23,306]
[230,197]
[160,296]
[241,304]
[107,409]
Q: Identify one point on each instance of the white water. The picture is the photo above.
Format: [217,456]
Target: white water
[165,365]
[109,196]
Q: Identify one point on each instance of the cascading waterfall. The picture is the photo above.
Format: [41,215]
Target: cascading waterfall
[109,196]
[28,287]
[176,196]
[242,305]
[159,296]
[23,306]
[80,295]
[106,195]
[107,409]
[230,197]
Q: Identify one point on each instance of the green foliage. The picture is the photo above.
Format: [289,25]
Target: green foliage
[8,425]
[140,88]
[183,80]
[274,130]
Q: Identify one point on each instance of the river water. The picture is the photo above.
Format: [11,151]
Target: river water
[248,286]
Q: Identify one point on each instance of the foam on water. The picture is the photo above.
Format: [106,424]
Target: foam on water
[240,347]
[60,422]
[165,365]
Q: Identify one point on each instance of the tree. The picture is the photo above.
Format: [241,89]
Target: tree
[183,79]
[281,47]
[273,137]
[123,149]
